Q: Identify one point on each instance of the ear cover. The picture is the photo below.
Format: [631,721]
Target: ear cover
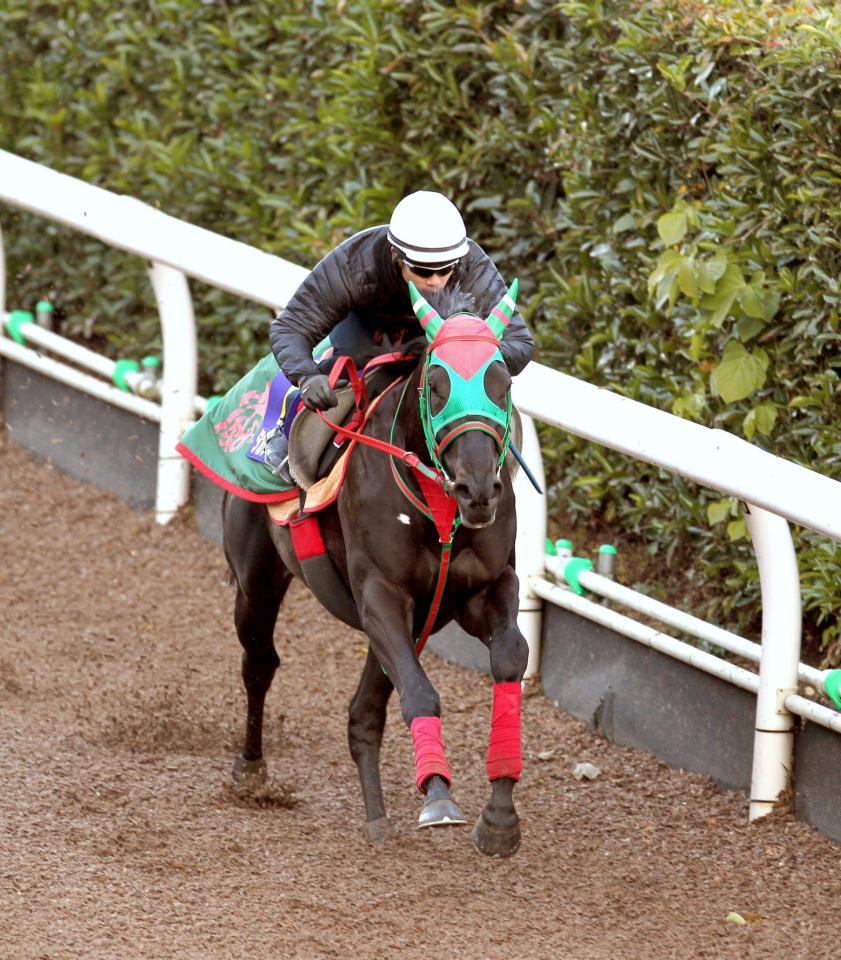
[427,315]
[500,315]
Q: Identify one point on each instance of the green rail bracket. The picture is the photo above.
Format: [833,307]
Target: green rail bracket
[17,319]
[121,368]
[832,685]
[573,569]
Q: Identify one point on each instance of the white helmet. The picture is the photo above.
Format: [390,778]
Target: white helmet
[428,229]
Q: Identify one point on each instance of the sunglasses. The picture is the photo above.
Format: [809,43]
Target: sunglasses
[427,272]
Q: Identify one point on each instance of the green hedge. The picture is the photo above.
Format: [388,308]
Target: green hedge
[662,176]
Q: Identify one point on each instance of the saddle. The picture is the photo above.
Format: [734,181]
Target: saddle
[313,447]
[319,448]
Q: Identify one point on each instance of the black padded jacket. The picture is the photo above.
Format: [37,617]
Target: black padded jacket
[360,275]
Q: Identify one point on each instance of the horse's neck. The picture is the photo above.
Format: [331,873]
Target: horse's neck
[407,426]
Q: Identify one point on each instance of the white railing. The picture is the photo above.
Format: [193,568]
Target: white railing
[713,458]
[775,490]
[175,250]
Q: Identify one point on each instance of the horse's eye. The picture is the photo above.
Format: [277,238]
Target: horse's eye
[497,383]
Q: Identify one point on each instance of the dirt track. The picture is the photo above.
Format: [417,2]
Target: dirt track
[121,707]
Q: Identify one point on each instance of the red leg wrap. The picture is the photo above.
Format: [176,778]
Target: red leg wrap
[505,752]
[430,758]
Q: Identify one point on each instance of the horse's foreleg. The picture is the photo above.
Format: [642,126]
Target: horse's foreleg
[497,832]
[492,617]
[366,722]
[387,616]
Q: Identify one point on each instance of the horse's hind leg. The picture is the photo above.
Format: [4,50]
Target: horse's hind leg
[255,616]
[366,722]
[262,581]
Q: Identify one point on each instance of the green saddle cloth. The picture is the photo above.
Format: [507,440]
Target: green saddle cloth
[218,444]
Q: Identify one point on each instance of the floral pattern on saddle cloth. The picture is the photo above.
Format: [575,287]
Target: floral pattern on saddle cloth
[218,444]
[324,491]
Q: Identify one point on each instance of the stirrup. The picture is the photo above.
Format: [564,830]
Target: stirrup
[282,472]
[277,449]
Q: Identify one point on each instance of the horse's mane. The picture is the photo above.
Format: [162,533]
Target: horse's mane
[447,302]
[451,300]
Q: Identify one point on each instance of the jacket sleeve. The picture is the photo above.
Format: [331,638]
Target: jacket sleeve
[483,279]
[319,303]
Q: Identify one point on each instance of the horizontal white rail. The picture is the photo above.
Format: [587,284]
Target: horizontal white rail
[713,458]
[132,225]
[680,620]
[685,652]
[140,384]
[648,636]
[69,349]
[81,381]
[810,710]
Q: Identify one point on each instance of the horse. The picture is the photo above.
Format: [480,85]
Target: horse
[420,535]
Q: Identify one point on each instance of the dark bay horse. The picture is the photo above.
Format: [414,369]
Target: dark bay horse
[419,541]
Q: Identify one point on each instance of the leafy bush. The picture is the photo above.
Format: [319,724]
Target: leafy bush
[662,176]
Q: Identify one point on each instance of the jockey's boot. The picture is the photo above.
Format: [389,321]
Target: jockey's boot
[277,456]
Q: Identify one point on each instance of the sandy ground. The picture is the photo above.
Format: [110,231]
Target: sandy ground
[121,708]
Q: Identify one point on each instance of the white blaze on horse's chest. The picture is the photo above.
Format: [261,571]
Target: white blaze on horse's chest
[403,518]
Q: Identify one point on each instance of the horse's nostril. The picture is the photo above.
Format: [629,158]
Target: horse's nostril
[478,497]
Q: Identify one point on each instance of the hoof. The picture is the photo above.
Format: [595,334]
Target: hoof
[249,775]
[494,841]
[379,830]
[443,812]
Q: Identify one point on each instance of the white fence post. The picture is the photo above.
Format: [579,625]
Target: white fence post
[2,278]
[530,545]
[178,386]
[773,744]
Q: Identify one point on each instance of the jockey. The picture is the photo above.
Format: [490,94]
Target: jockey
[358,295]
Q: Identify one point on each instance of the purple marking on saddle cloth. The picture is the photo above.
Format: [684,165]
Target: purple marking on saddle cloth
[279,397]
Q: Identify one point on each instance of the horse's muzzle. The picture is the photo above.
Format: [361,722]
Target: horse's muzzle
[476,524]
[477,504]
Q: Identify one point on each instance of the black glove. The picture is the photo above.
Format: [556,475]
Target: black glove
[316,393]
